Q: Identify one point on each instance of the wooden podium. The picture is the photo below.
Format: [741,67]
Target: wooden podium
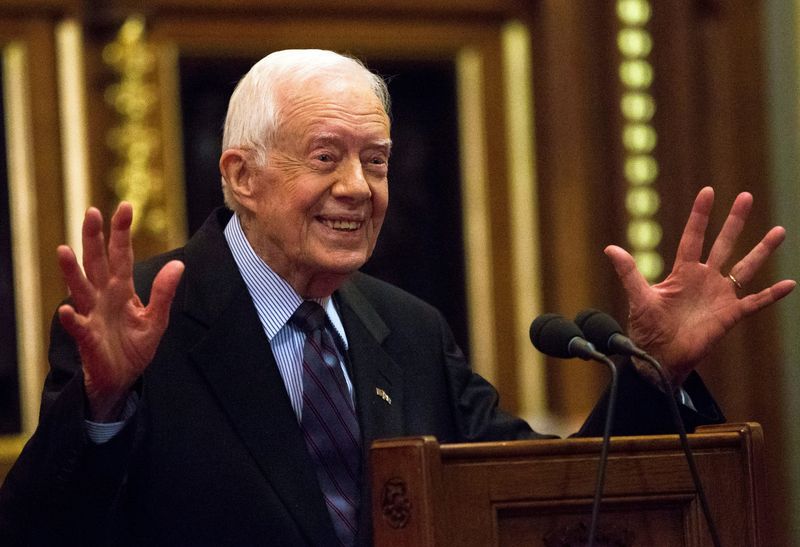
[540,492]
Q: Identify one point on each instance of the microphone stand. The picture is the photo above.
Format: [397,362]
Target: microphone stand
[606,332]
[601,468]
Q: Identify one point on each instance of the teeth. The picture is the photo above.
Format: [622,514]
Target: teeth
[347,225]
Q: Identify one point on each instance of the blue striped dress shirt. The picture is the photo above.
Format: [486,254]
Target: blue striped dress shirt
[275,301]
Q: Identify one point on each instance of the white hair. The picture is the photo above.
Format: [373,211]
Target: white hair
[253,116]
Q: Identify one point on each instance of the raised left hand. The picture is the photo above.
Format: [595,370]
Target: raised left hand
[679,320]
[116,334]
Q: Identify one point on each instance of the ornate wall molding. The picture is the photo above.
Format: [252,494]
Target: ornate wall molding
[135,140]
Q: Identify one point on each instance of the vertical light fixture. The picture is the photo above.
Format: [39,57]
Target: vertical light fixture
[639,137]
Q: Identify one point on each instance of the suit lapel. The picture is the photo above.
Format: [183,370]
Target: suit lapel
[236,359]
[377,379]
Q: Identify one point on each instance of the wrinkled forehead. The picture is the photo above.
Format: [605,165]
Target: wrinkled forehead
[330,84]
[328,101]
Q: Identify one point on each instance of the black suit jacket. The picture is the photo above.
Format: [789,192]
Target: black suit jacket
[214,454]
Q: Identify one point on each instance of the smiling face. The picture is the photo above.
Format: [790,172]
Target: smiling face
[315,210]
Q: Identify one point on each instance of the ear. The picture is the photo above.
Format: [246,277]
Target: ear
[236,169]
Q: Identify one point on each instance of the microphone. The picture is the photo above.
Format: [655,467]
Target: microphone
[604,332]
[556,336]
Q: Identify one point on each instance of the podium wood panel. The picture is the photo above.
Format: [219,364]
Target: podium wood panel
[540,492]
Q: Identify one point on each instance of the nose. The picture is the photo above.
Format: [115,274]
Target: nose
[352,183]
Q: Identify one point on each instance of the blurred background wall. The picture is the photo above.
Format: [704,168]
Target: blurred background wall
[529,134]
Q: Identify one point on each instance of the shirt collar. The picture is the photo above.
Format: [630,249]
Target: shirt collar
[274,298]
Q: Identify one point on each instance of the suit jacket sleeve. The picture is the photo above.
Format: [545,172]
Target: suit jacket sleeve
[475,402]
[472,411]
[641,408]
[60,472]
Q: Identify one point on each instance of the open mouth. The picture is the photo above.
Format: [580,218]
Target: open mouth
[342,225]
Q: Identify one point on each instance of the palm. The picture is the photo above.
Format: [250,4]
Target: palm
[120,333]
[679,320]
[694,308]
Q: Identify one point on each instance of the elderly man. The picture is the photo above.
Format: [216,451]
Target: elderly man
[233,404]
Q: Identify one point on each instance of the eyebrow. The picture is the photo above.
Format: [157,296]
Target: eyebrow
[332,138]
[385,144]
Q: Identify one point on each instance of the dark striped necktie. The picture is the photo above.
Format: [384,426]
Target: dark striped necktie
[329,422]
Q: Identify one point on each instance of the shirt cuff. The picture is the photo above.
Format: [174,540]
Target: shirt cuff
[102,432]
[685,400]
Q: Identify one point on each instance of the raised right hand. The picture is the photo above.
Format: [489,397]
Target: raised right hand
[116,335]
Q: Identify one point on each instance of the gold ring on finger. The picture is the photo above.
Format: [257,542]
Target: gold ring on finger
[735,281]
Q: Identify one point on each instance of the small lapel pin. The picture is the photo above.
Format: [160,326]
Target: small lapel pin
[383,395]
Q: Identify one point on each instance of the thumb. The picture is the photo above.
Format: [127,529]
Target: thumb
[633,282]
[163,291]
